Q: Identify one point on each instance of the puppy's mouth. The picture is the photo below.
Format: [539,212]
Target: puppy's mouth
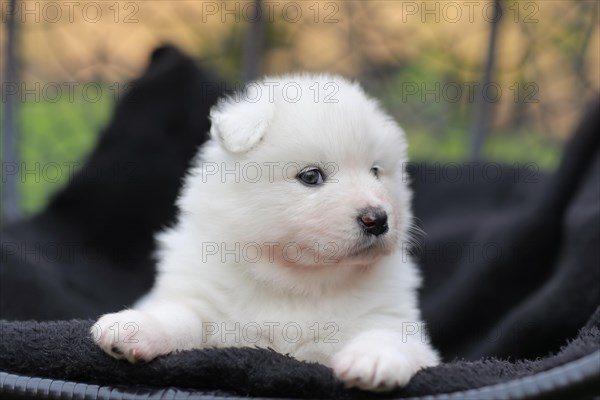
[369,247]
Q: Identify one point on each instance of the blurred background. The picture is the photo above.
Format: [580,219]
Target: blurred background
[501,81]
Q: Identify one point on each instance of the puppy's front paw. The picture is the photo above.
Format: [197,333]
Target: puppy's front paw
[131,335]
[377,367]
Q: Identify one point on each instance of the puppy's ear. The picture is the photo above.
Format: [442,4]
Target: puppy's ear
[239,122]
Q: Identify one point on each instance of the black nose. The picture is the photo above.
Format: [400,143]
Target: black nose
[373,220]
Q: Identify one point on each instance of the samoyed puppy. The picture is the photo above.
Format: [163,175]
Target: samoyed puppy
[292,226]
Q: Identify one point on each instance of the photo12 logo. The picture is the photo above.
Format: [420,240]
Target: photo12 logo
[470,11]
[67,91]
[268,332]
[290,92]
[270,11]
[468,92]
[232,333]
[53,12]
[50,252]
[254,172]
[472,172]
[253,252]
[54,172]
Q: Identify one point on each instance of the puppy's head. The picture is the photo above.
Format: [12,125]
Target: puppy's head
[315,173]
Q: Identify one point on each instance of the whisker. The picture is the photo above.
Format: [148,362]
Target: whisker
[416,237]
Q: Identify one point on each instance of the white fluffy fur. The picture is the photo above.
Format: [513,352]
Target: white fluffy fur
[229,272]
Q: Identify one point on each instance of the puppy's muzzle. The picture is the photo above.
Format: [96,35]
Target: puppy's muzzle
[373,220]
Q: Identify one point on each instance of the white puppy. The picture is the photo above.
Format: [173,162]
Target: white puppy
[290,236]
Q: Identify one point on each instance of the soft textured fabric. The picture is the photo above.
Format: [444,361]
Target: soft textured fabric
[511,259]
[62,350]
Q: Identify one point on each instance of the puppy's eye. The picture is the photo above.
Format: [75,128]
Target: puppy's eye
[375,171]
[311,176]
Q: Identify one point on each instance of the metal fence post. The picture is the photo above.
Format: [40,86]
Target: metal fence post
[10,141]
[254,45]
[481,107]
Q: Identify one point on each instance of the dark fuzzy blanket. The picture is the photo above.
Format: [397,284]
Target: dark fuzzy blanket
[62,350]
[511,260]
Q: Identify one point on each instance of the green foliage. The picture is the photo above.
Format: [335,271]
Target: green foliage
[54,139]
